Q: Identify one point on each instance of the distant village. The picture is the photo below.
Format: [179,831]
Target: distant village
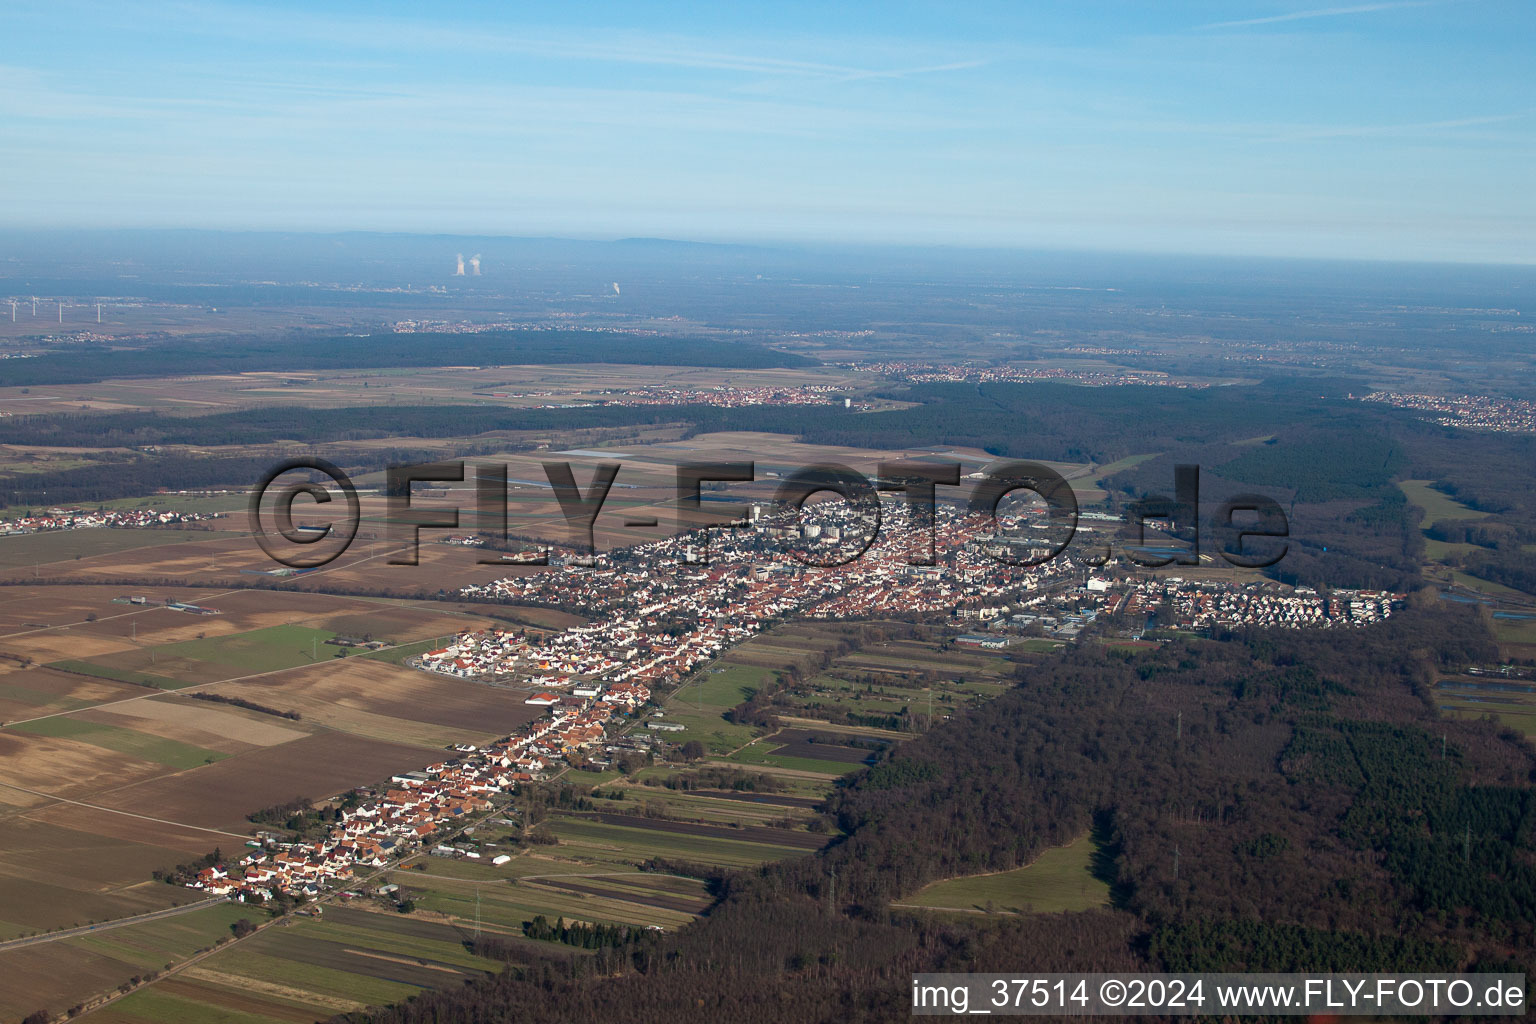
[726,396]
[81,519]
[722,396]
[1472,412]
[940,373]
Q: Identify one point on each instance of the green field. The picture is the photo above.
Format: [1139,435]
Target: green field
[155,943]
[622,844]
[790,786]
[762,754]
[345,959]
[696,806]
[38,698]
[44,465]
[1059,879]
[1522,721]
[1039,645]
[504,903]
[349,929]
[190,662]
[1437,505]
[260,650]
[308,968]
[706,726]
[268,964]
[117,673]
[1511,702]
[160,1004]
[229,503]
[723,685]
[883,684]
[1515,631]
[1441,550]
[171,753]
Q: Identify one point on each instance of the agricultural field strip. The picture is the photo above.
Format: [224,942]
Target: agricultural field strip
[547,883]
[113,810]
[757,834]
[91,929]
[173,754]
[109,618]
[711,809]
[508,907]
[176,693]
[334,566]
[352,929]
[623,842]
[603,874]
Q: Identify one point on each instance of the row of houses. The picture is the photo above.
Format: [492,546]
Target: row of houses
[416,805]
[1204,603]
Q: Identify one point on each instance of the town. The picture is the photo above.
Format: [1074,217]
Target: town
[658,612]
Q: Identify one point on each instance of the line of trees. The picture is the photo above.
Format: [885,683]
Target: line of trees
[577,933]
[249,705]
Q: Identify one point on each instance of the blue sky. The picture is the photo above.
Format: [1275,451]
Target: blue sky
[1399,130]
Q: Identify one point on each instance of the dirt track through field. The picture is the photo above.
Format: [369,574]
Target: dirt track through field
[130,814]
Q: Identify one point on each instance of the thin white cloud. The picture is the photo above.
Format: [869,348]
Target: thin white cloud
[1380,131]
[964,65]
[659,49]
[1320,12]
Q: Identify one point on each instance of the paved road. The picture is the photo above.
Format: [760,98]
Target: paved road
[86,929]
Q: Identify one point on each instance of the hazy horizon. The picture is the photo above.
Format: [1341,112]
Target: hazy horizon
[766,245]
[1397,130]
